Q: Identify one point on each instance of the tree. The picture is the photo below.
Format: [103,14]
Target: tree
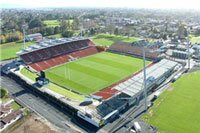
[49,31]
[56,30]
[92,31]
[11,25]
[116,32]
[3,92]
[182,31]
[42,30]
[64,26]
[75,24]
[68,24]
[2,39]
[111,29]
[197,32]
[14,36]
[35,23]
[127,30]
[67,33]
[185,33]
[164,36]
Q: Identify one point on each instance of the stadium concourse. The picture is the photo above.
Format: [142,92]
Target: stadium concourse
[99,107]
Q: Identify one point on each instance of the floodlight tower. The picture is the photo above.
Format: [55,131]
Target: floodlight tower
[24,27]
[144,82]
[81,28]
[81,31]
[188,52]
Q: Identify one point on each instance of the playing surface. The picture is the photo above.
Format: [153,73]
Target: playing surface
[178,108]
[54,23]
[93,73]
[8,50]
[107,39]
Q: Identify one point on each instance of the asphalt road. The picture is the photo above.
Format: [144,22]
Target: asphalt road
[36,104]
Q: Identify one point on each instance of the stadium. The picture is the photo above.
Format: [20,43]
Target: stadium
[98,85]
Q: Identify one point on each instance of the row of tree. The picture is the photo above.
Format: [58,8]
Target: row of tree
[11,37]
[66,28]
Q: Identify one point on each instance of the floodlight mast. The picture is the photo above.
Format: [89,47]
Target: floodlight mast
[24,37]
[81,32]
[144,84]
[188,47]
[24,26]
[81,28]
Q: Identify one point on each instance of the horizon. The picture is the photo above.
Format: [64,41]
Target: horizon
[144,4]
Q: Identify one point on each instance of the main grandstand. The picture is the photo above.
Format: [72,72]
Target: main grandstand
[109,82]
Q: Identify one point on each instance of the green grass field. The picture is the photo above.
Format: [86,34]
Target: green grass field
[55,36]
[51,23]
[8,50]
[54,23]
[195,39]
[178,108]
[90,74]
[107,40]
[15,105]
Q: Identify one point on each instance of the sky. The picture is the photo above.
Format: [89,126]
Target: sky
[155,4]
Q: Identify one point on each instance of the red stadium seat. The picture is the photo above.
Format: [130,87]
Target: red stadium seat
[51,56]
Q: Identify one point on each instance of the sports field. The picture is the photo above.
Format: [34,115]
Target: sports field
[178,108]
[93,73]
[8,50]
[107,39]
[54,23]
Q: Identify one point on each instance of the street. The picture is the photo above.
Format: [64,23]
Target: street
[36,104]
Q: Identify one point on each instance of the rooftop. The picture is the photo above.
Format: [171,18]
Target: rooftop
[134,85]
[34,35]
[49,43]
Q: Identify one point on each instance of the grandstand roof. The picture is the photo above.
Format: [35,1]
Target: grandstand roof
[141,42]
[49,43]
[134,85]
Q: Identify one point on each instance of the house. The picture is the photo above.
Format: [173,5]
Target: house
[196,49]
[5,110]
[34,37]
[10,118]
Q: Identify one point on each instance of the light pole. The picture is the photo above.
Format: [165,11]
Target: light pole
[24,27]
[144,82]
[188,50]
